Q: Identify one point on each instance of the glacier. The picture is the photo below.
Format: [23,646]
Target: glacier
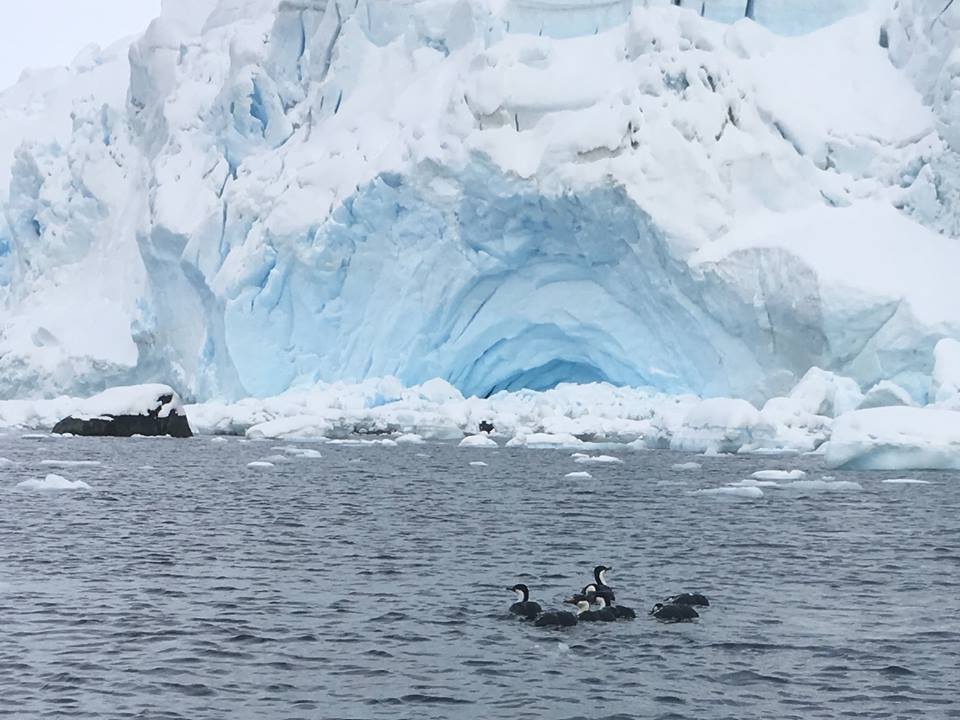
[260,195]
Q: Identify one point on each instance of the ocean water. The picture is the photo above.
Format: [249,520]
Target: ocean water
[370,583]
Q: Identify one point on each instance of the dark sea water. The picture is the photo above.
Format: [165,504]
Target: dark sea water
[370,584]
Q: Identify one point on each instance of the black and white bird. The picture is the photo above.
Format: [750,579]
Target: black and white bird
[524,607]
[674,613]
[621,612]
[589,593]
[600,580]
[604,613]
[562,618]
[695,599]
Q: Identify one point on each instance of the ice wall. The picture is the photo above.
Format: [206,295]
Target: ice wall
[312,190]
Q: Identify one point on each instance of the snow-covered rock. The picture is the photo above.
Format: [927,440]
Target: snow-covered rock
[124,411]
[895,438]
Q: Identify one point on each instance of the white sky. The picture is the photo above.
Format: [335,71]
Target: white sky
[40,33]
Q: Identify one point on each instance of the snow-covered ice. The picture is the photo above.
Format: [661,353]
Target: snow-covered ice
[823,485]
[778,474]
[907,481]
[453,194]
[478,463]
[686,466]
[409,439]
[262,464]
[478,441]
[597,459]
[53,482]
[544,440]
[896,438]
[578,474]
[6,462]
[747,492]
[389,219]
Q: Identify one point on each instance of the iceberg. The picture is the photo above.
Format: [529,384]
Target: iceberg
[895,438]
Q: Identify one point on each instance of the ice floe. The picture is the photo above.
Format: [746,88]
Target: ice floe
[478,441]
[53,482]
[778,474]
[823,485]
[907,481]
[578,474]
[597,459]
[71,463]
[684,466]
[748,493]
[262,464]
[478,463]
[544,440]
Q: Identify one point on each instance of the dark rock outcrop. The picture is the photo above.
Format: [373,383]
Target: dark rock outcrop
[163,416]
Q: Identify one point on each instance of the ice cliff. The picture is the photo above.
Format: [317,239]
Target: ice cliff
[506,194]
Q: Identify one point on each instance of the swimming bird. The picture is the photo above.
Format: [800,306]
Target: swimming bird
[600,578]
[674,613]
[589,593]
[562,618]
[604,614]
[524,607]
[623,613]
[695,599]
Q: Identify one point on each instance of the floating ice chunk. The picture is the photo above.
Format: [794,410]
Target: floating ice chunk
[579,474]
[750,482]
[778,474]
[686,466]
[748,493]
[544,440]
[907,481]
[896,438]
[147,467]
[824,485]
[6,462]
[409,439]
[54,482]
[297,427]
[478,463]
[38,436]
[478,441]
[219,439]
[276,459]
[599,460]
[260,464]
[578,455]
[296,452]
[70,463]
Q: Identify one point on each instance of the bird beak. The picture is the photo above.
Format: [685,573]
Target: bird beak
[509,589]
